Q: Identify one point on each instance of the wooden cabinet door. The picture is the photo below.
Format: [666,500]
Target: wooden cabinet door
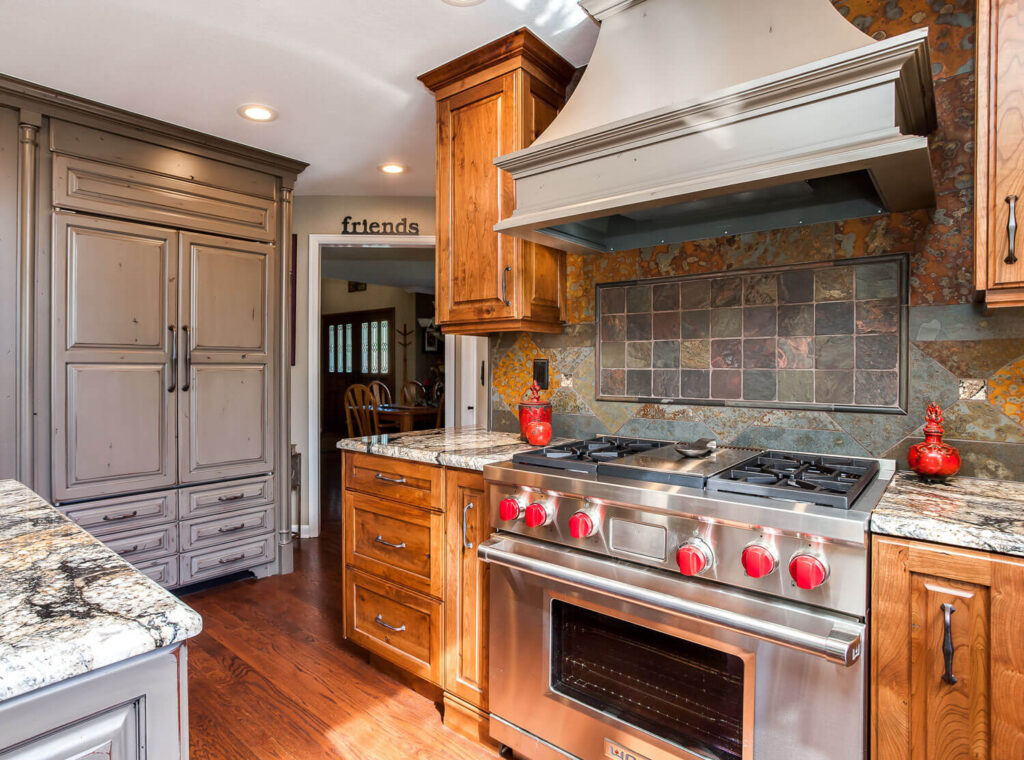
[466,588]
[114,392]
[922,709]
[1000,151]
[226,417]
[477,270]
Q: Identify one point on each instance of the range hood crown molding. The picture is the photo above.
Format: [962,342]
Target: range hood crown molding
[863,109]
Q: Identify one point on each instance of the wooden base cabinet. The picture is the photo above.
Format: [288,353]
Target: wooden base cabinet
[415,590]
[493,101]
[947,659]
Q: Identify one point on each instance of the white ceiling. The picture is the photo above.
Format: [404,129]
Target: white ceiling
[342,73]
[411,269]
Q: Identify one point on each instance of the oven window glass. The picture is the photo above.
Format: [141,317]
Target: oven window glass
[682,692]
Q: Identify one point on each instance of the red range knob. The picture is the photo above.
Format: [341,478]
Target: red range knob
[509,509]
[808,571]
[580,525]
[694,557]
[536,515]
[758,560]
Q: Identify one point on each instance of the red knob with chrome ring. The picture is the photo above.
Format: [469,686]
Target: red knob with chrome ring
[759,560]
[509,509]
[580,525]
[808,571]
[694,557]
[537,515]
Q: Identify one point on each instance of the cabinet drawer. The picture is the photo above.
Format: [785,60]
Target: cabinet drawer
[412,483]
[131,512]
[398,543]
[149,543]
[399,625]
[224,497]
[202,564]
[209,531]
[164,571]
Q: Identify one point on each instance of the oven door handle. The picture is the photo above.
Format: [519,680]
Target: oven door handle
[842,645]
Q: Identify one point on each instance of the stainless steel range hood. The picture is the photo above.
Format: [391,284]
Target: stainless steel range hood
[701,118]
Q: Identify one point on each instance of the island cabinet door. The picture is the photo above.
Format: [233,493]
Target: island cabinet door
[226,411]
[114,381]
[466,595]
[947,653]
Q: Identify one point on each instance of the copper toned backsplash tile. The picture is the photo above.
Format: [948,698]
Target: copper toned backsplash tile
[817,336]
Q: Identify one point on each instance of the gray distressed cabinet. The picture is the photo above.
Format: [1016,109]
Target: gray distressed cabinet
[150,397]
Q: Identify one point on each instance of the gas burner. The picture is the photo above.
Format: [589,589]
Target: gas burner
[585,455]
[823,480]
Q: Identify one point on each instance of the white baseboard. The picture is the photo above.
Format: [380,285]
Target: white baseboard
[302,530]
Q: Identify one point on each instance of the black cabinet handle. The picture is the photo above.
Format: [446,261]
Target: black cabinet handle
[126,516]
[232,529]
[232,497]
[229,560]
[188,360]
[1011,231]
[947,643]
[504,285]
[174,360]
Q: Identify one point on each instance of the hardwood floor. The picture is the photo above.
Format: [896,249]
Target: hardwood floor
[270,677]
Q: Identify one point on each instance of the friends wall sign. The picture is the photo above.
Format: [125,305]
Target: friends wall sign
[403,226]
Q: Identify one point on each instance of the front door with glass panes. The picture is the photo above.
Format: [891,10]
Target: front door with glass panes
[357,347]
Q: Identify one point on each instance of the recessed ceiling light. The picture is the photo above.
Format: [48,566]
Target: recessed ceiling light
[257,112]
[392,168]
[463,3]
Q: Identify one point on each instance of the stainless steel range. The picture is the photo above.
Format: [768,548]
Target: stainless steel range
[656,600]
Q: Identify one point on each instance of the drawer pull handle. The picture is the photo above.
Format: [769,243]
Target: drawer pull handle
[126,516]
[466,544]
[229,560]
[1011,231]
[386,479]
[232,497]
[131,550]
[232,529]
[947,642]
[379,620]
[381,540]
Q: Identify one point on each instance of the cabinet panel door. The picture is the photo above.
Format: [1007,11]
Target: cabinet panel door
[1000,146]
[466,594]
[114,328]
[922,709]
[226,409]
[477,270]
[111,735]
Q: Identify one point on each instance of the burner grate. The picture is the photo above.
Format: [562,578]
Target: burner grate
[585,455]
[825,480]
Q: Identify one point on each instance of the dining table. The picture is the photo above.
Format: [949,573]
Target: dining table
[408,417]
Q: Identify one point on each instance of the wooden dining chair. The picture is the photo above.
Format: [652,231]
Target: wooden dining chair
[382,395]
[381,392]
[413,393]
[361,411]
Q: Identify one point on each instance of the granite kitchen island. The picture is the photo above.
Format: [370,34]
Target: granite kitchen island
[92,653]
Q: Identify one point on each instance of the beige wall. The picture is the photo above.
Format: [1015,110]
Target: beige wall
[322,215]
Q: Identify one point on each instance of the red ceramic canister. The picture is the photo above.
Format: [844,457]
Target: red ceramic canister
[533,411]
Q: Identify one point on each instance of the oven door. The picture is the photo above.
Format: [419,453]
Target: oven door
[597,658]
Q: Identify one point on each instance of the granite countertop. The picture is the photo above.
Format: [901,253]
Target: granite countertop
[68,604]
[469,448]
[966,512]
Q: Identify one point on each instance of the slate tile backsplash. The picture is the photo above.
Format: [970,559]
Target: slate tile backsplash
[818,336]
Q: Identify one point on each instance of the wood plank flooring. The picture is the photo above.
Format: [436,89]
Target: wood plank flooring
[271,678]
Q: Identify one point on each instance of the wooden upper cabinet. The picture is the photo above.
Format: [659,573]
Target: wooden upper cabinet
[490,102]
[115,291]
[226,414]
[947,653]
[999,167]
